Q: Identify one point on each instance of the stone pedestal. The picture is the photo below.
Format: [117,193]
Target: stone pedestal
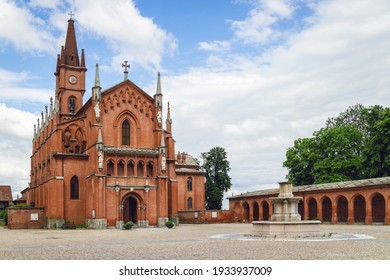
[286,221]
[96,223]
[286,229]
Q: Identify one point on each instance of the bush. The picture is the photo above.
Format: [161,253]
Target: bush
[5,217]
[2,213]
[169,224]
[128,225]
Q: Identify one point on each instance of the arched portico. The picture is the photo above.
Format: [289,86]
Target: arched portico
[378,208]
[265,210]
[312,206]
[255,211]
[326,210]
[342,209]
[359,209]
[246,211]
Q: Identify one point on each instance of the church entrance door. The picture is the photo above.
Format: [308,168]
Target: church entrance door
[130,210]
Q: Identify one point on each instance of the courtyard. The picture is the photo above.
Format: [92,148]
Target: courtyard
[194,242]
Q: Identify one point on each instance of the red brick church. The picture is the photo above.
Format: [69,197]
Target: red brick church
[110,160]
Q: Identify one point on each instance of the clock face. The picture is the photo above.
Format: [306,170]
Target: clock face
[72,80]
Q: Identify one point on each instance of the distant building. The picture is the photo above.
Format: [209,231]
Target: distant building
[110,160]
[361,201]
[5,197]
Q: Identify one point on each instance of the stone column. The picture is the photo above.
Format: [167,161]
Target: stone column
[368,212]
[334,219]
[351,218]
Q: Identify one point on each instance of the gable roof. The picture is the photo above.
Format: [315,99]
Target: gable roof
[5,193]
[323,187]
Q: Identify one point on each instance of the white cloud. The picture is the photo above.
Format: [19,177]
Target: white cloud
[15,143]
[215,46]
[20,28]
[131,36]
[47,4]
[256,107]
[12,88]
[258,26]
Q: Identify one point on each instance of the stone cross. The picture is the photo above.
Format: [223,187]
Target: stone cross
[126,65]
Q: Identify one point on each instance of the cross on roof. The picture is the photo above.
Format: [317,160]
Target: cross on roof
[71,14]
[126,65]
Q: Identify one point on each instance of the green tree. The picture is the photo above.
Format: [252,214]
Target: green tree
[216,165]
[377,148]
[354,145]
[300,160]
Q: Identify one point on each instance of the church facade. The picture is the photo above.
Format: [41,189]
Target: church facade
[110,160]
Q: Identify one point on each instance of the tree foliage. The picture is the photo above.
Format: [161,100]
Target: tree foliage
[354,145]
[216,165]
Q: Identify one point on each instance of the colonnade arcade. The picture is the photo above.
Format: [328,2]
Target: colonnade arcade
[364,206]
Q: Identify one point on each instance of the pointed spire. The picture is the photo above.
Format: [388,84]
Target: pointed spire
[158,95]
[46,115]
[62,58]
[38,127]
[51,109]
[58,65]
[169,120]
[71,52]
[35,132]
[56,108]
[96,90]
[42,121]
[158,90]
[82,58]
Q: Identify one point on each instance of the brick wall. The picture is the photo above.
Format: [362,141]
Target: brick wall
[207,216]
[25,218]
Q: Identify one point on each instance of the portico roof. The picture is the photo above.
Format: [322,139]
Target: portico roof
[322,187]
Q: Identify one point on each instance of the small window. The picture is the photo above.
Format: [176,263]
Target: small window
[72,105]
[110,168]
[126,133]
[74,188]
[189,184]
[189,204]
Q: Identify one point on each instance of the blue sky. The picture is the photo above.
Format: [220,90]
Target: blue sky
[247,75]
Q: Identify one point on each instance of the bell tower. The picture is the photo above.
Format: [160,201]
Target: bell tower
[70,75]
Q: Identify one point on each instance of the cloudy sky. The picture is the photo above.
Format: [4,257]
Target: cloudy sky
[247,75]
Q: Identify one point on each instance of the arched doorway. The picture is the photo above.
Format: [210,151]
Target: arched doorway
[312,209]
[342,210]
[265,207]
[130,210]
[301,209]
[326,210]
[255,211]
[246,212]
[359,209]
[378,208]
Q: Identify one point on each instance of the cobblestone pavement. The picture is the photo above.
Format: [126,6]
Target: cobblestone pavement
[199,242]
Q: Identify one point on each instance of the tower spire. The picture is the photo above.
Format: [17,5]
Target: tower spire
[70,50]
[158,96]
[96,90]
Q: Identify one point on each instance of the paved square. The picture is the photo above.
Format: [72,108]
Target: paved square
[187,242]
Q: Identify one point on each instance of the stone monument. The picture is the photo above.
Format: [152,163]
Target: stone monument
[285,220]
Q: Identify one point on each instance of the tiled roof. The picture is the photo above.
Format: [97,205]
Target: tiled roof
[5,193]
[323,187]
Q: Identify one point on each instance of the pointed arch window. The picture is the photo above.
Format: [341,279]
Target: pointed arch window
[126,133]
[72,104]
[189,184]
[189,203]
[74,188]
